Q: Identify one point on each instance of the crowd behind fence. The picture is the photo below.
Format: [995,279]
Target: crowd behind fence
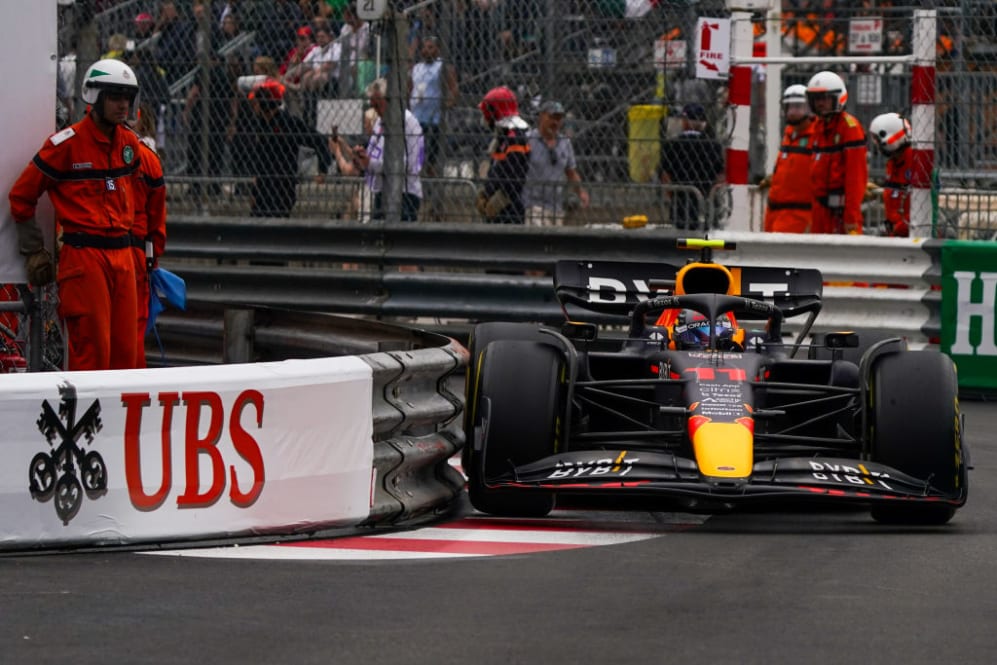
[600,58]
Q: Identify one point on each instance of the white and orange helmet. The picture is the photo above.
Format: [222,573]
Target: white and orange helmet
[890,132]
[827,84]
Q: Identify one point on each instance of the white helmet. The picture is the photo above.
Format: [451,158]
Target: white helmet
[795,94]
[830,84]
[108,75]
[890,132]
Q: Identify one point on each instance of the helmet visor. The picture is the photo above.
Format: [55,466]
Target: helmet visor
[696,334]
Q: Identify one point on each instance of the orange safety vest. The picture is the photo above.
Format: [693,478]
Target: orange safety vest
[790,198]
[838,173]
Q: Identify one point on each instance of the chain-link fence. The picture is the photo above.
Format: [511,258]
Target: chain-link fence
[622,70]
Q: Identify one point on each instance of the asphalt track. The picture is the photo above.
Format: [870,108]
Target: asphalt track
[829,587]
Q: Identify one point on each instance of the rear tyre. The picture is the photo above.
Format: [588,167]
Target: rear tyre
[915,429]
[517,407]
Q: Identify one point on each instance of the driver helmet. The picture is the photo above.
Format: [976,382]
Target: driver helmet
[692,330]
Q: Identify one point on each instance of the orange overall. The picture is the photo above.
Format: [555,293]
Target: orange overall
[150,225]
[790,198]
[89,179]
[896,192]
[839,173]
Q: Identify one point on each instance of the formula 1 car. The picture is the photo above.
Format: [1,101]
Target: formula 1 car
[704,402]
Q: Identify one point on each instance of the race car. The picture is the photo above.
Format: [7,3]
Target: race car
[700,400]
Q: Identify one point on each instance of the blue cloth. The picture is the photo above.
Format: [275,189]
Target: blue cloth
[164,286]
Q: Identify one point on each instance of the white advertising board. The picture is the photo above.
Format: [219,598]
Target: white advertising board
[29,115]
[175,453]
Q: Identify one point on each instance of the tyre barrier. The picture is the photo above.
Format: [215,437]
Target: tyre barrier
[307,444]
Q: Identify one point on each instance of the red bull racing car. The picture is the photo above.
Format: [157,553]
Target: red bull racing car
[704,401]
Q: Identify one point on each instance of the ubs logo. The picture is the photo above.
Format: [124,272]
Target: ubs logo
[67,470]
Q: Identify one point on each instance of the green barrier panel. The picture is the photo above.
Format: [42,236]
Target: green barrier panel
[969,323]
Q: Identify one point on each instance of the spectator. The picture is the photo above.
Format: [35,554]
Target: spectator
[276,152]
[475,43]
[321,66]
[432,87]
[141,57]
[89,171]
[519,21]
[315,10]
[211,108]
[423,22]
[692,159]
[371,160]
[175,50]
[361,201]
[145,26]
[279,21]
[229,8]
[790,198]
[354,39]
[839,170]
[501,199]
[890,133]
[291,69]
[552,163]
[116,46]
[148,233]
[243,126]
[230,29]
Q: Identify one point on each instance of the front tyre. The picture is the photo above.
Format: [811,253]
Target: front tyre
[517,406]
[483,335]
[916,430]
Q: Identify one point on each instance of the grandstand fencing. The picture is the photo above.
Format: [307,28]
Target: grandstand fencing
[600,58]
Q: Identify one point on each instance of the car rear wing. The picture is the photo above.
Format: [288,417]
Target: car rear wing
[615,287]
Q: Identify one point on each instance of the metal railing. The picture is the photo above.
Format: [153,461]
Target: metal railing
[442,274]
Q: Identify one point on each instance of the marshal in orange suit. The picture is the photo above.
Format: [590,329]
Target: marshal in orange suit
[88,170]
[790,198]
[839,171]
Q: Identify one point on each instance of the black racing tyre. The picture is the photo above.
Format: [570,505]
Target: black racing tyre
[482,335]
[518,403]
[916,429]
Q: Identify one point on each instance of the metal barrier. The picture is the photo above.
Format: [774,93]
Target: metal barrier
[417,395]
[476,272]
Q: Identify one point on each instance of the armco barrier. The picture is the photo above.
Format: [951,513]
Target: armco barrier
[313,444]
[474,272]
